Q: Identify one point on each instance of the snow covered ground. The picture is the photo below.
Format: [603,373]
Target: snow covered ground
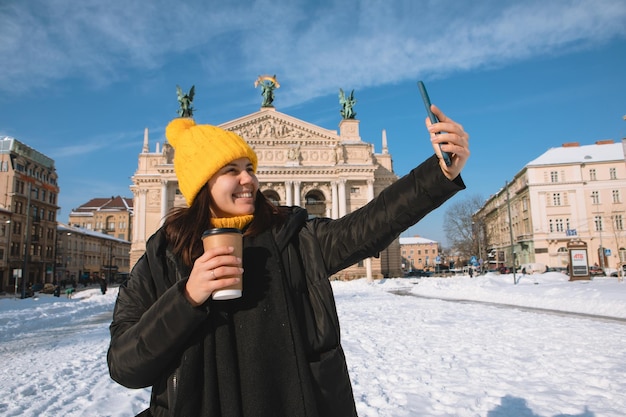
[409,353]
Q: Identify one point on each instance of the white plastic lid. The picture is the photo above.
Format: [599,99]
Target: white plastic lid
[226,294]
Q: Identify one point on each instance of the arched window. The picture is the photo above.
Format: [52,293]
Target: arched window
[272,196]
[315,204]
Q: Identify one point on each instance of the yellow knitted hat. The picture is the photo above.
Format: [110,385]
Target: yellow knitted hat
[201,151]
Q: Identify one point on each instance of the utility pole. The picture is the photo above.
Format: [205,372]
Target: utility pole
[27,242]
[110,261]
[508,205]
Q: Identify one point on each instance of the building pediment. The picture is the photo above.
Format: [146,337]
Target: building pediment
[269,127]
[283,140]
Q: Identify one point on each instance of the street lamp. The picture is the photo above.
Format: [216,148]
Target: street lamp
[7,224]
[110,261]
[55,278]
[80,252]
[508,204]
[27,241]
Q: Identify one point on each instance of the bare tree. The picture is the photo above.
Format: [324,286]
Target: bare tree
[463,235]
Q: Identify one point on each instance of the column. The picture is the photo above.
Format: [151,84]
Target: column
[288,193]
[296,193]
[163,201]
[141,230]
[342,197]
[335,213]
[370,189]
[368,269]
[370,197]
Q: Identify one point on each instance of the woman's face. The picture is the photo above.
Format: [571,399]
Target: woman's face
[233,189]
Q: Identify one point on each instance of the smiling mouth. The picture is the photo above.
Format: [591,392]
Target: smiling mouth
[243,195]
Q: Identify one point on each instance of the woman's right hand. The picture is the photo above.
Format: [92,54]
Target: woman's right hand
[453,139]
[208,271]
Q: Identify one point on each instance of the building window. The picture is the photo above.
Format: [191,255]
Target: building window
[559,225]
[595,197]
[618,222]
[616,196]
[592,175]
[598,223]
[613,173]
[554,176]
[551,225]
[556,199]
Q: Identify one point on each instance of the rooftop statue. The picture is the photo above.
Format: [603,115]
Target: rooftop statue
[346,105]
[268,85]
[185,102]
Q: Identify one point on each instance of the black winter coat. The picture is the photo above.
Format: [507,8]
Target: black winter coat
[275,351]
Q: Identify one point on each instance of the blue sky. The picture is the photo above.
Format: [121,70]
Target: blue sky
[79,81]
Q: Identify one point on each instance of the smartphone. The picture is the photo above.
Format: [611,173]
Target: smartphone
[433,118]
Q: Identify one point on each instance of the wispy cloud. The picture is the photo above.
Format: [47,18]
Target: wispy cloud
[356,44]
[91,145]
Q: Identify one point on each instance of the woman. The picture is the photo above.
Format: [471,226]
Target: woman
[276,350]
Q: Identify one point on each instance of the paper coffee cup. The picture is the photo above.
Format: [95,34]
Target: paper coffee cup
[226,237]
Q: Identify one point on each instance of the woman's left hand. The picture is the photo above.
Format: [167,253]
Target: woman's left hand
[453,139]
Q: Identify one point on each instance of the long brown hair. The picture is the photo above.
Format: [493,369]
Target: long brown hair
[184,225]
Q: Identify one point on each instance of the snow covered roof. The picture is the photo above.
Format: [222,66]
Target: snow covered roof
[416,240]
[603,151]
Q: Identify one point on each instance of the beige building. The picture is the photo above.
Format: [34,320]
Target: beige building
[28,200]
[329,173]
[84,254]
[112,216]
[420,253]
[569,193]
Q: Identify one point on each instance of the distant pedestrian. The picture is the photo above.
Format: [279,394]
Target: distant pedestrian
[471,272]
[69,292]
[103,285]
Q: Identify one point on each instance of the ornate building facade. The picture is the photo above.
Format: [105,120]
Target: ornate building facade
[329,173]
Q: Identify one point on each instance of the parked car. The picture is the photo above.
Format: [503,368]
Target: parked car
[48,288]
[614,274]
[418,273]
[596,271]
[560,269]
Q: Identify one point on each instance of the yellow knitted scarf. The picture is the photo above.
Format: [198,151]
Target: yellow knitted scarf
[238,222]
